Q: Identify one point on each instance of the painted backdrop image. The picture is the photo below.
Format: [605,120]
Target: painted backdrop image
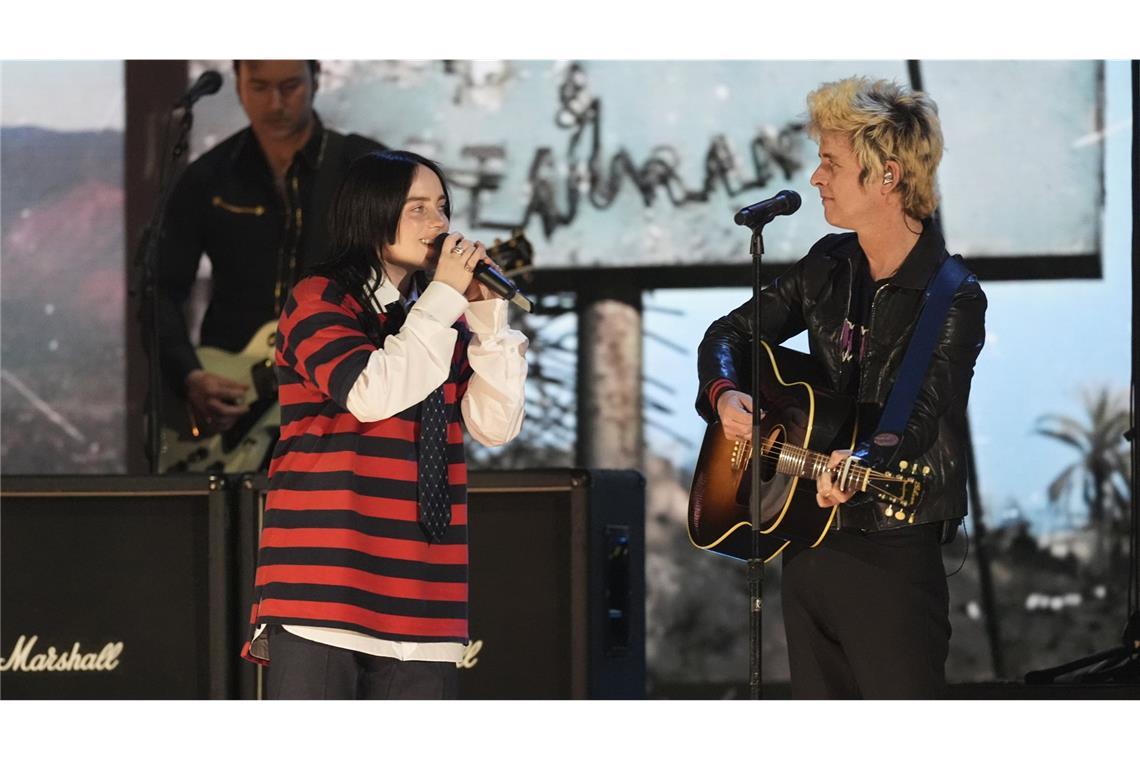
[63,292]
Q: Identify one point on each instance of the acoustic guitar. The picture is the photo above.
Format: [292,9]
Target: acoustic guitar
[803,423]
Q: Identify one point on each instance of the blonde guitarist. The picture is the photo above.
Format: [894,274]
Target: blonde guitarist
[866,612]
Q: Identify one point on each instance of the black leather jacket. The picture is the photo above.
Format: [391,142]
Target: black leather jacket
[814,295]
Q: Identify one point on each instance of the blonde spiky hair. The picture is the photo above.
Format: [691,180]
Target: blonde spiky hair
[884,122]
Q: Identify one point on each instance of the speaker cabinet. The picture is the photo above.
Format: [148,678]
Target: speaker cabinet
[252,489]
[557,585]
[116,587]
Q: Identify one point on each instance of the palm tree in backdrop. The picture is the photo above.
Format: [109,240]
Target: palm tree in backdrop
[1101,472]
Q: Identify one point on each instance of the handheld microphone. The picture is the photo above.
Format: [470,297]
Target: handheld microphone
[758,214]
[491,277]
[207,84]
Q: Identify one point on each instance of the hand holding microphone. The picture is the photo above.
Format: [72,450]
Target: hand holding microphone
[454,250]
[456,261]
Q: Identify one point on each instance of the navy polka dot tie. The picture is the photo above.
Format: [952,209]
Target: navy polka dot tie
[433,494]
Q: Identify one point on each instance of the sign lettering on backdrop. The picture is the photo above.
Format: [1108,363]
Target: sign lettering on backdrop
[644,163]
[24,659]
[598,179]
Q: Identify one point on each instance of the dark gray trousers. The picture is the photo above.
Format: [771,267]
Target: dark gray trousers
[867,615]
[303,669]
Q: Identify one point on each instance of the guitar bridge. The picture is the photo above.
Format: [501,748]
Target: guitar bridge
[741,453]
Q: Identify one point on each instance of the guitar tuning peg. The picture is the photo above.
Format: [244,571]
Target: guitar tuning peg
[888,511]
[903,465]
[911,520]
[914,467]
[900,515]
[926,470]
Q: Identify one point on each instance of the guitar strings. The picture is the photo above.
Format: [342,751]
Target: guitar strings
[870,486]
[778,447]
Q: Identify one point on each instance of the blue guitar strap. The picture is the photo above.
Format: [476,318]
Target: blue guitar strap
[935,305]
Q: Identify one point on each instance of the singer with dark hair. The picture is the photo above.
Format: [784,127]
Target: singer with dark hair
[255,206]
[385,353]
[866,612]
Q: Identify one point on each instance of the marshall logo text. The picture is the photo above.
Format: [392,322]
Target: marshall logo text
[23,659]
[469,654]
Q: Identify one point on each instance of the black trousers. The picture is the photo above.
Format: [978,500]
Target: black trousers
[867,615]
[303,669]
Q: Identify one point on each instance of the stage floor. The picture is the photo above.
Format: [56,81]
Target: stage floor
[979,691]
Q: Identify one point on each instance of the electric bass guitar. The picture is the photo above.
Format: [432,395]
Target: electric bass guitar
[803,423]
[187,447]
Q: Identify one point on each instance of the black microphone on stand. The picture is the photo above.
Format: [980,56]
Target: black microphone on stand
[491,277]
[758,214]
[207,84]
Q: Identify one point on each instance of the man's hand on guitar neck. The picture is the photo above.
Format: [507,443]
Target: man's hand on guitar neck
[735,411]
[215,401]
[827,491]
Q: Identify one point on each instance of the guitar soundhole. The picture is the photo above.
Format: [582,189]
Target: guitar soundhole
[770,454]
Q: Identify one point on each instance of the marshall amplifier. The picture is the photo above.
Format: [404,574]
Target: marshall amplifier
[557,585]
[116,587]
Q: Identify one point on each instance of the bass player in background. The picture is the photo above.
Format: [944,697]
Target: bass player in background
[255,205]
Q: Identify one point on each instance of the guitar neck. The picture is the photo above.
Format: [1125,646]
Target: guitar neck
[805,463]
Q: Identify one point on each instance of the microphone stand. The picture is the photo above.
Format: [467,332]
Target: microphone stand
[754,217]
[755,560]
[147,261]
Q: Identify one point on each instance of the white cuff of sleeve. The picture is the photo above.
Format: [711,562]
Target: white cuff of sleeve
[441,302]
[487,317]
